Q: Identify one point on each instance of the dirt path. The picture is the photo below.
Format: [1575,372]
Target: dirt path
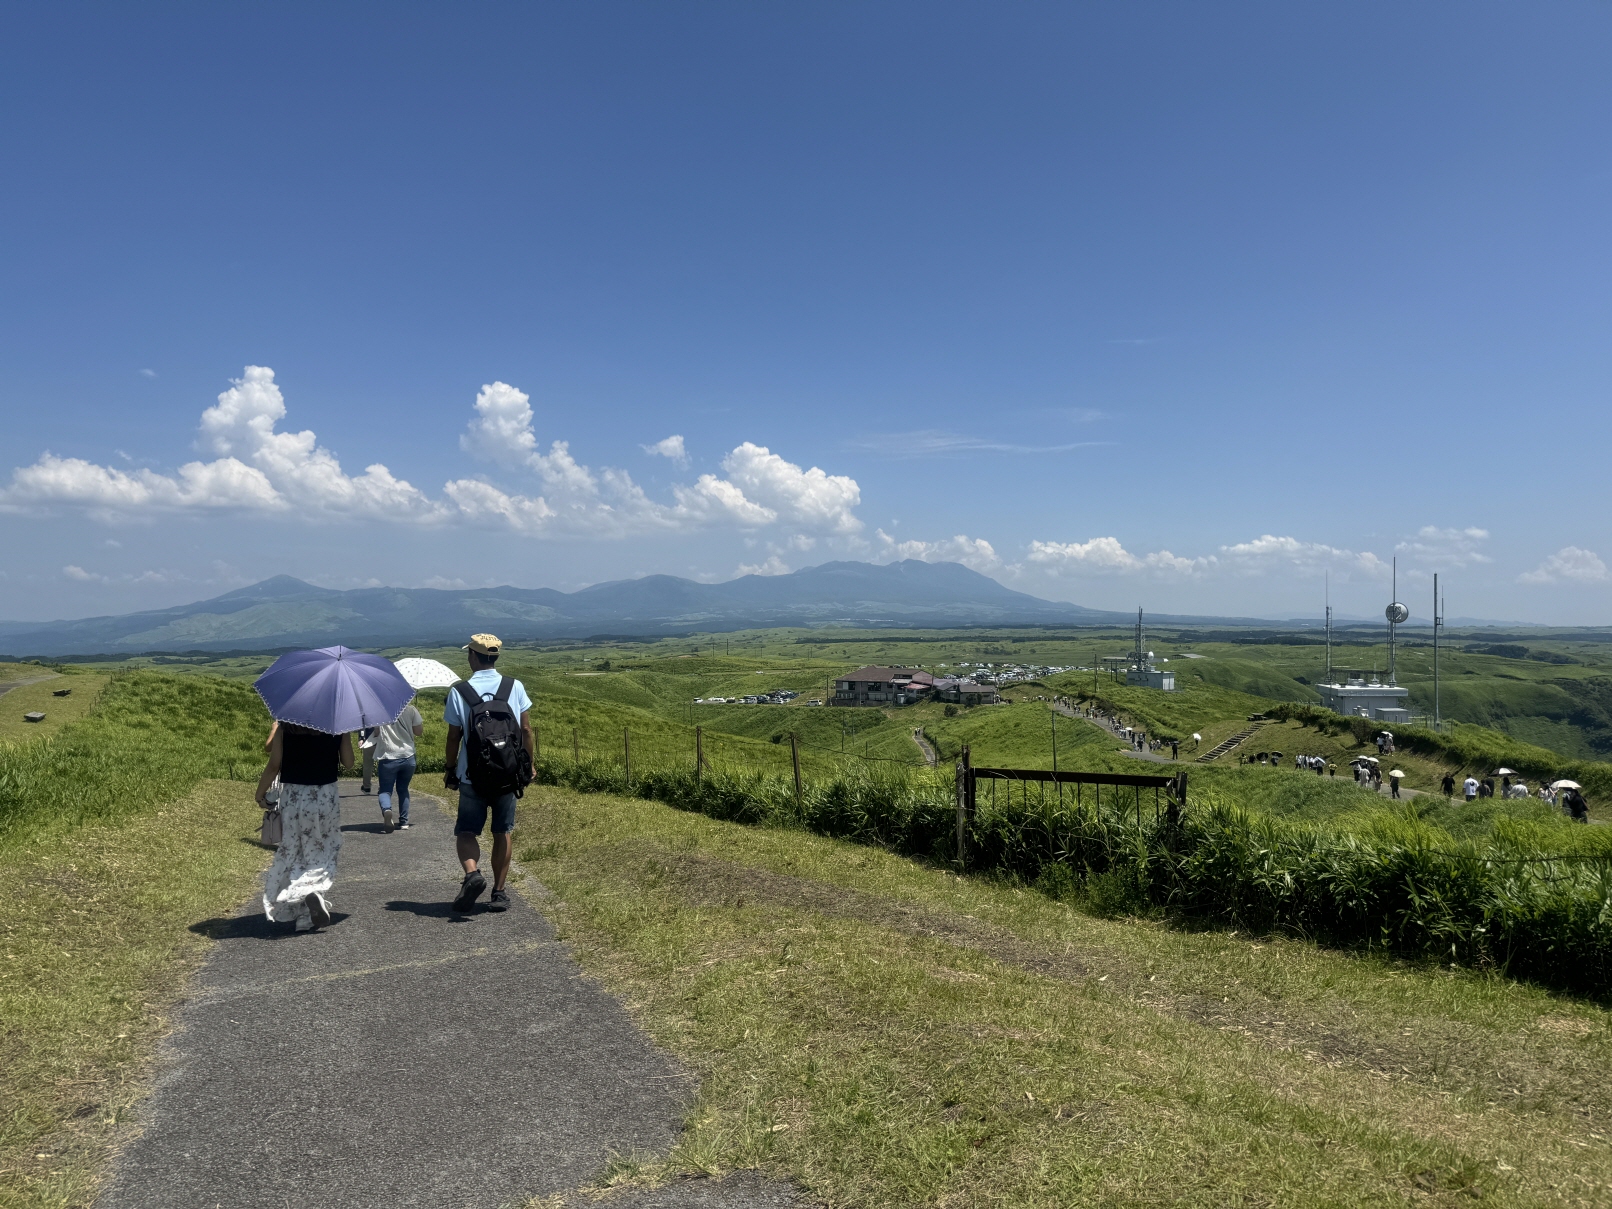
[405,1056]
[931,756]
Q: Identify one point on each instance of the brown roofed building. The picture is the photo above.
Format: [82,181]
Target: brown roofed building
[878,686]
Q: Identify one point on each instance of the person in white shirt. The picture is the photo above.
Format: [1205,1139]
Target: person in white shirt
[394,764]
[1470,788]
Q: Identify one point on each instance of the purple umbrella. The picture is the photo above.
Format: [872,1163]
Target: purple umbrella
[334,690]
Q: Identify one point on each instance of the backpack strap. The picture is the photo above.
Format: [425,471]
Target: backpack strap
[468,695]
[506,686]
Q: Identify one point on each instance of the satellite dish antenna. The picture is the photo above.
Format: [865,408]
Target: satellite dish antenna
[1397,614]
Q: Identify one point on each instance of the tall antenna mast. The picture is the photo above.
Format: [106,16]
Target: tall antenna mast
[1329,627]
[1438,623]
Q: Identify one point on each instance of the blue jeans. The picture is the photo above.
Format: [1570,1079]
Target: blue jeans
[398,773]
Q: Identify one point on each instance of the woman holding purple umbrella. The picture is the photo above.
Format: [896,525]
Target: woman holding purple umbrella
[318,698]
[310,813]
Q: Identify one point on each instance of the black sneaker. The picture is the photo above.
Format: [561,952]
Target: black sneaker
[498,902]
[404,826]
[470,890]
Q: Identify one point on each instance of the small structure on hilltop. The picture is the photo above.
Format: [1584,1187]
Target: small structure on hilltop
[965,692]
[1353,694]
[1349,692]
[882,686]
[1139,667]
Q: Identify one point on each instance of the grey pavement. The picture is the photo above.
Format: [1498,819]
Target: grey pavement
[11,684]
[404,1056]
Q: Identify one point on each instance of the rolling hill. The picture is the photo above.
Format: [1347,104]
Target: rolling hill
[286,612]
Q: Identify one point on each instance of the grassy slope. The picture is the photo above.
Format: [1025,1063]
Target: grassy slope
[97,937]
[149,738]
[888,1034]
[41,697]
[95,928]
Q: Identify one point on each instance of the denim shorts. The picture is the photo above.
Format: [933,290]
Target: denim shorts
[473,813]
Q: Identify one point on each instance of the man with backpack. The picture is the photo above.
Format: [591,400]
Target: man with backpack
[489,758]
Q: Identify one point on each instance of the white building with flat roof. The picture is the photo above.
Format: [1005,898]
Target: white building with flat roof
[1360,698]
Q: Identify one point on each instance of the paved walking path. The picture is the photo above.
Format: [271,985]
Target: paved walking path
[11,684]
[1152,757]
[405,1056]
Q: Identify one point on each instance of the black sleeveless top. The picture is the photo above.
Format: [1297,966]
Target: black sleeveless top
[308,757]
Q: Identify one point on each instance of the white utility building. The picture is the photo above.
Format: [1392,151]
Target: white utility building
[1360,698]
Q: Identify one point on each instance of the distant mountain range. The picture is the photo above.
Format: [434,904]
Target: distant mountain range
[284,612]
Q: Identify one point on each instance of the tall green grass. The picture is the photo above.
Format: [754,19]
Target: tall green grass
[150,738]
[1534,900]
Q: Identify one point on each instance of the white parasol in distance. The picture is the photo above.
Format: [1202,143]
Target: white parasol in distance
[427,673]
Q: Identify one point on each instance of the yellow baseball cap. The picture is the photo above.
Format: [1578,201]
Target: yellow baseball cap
[483,644]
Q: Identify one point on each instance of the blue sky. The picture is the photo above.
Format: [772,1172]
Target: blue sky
[1174,304]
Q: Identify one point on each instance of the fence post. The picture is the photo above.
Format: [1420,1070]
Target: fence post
[576,748]
[961,791]
[626,753]
[970,801]
[699,754]
[794,758]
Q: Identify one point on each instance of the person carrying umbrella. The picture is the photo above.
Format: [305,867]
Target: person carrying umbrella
[317,698]
[1394,778]
[1573,803]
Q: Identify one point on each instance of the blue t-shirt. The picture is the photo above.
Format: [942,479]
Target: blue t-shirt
[486,683]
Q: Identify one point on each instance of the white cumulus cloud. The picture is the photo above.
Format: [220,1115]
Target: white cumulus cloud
[1570,563]
[973,552]
[671,448]
[1269,553]
[813,499]
[257,467]
[1264,554]
[1438,548]
[773,566]
[1106,554]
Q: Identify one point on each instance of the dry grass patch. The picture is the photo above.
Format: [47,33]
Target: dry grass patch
[95,944]
[889,1034]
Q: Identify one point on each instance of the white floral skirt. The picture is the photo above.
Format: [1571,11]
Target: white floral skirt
[305,862]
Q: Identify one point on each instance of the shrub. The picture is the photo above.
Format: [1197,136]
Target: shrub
[1534,901]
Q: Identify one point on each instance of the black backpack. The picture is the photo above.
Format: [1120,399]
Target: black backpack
[496,758]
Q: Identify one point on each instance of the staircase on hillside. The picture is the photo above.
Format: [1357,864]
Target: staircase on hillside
[1215,753]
